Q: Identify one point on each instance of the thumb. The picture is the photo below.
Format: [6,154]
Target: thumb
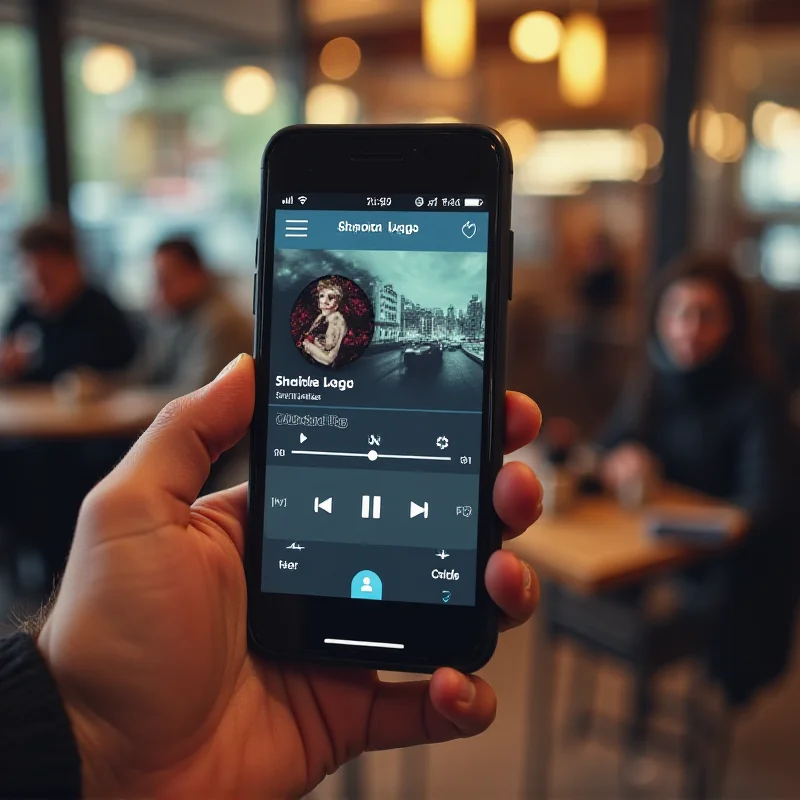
[175,454]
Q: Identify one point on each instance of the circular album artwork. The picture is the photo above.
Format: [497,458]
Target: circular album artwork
[332,321]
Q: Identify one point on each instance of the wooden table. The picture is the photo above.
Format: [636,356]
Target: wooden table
[596,546]
[35,413]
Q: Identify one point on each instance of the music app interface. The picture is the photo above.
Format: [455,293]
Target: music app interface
[376,369]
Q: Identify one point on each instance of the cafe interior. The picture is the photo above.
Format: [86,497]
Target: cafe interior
[644,133]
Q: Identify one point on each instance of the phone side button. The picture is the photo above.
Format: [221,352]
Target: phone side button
[511,265]
[255,293]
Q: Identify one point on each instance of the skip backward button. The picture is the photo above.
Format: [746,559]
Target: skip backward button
[325,505]
[416,510]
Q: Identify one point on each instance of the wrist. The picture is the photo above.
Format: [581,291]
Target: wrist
[97,779]
[97,775]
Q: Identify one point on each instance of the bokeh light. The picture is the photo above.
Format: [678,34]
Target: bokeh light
[536,37]
[340,59]
[652,145]
[108,69]
[764,118]
[582,64]
[331,104]
[249,90]
[448,37]
[520,135]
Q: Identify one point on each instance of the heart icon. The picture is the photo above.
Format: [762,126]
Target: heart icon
[469,229]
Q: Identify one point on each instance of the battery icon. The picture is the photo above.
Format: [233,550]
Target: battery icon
[473,202]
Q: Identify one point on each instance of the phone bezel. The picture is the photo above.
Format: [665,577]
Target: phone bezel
[384,160]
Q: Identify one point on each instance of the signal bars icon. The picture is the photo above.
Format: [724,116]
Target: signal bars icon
[288,201]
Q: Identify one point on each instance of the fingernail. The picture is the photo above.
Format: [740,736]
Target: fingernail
[466,692]
[527,576]
[230,366]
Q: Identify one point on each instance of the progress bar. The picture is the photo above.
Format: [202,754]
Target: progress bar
[357,643]
[372,455]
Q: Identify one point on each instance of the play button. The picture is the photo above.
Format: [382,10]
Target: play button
[416,510]
[303,438]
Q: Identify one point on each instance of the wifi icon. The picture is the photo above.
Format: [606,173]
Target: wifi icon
[302,200]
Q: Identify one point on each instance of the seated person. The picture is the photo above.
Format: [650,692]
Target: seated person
[196,329]
[703,411]
[62,322]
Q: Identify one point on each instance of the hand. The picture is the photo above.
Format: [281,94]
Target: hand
[13,360]
[626,465]
[147,639]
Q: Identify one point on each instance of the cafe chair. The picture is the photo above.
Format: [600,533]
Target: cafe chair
[624,627]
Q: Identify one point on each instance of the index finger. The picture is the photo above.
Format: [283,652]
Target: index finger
[523,420]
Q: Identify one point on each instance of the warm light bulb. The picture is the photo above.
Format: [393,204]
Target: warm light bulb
[723,137]
[249,90]
[340,59]
[786,130]
[764,118]
[331,104]
[536,37]
[651,142]
[448,37]
[520,135]
[582,64]
[108,69]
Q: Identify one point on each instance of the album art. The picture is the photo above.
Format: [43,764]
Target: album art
[408,328]
[332,321]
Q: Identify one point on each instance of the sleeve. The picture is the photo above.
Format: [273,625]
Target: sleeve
[117,342]
[38,753]
[760,462]
[217,339]
[13,322]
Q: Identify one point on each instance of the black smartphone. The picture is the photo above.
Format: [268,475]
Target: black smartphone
[382,284]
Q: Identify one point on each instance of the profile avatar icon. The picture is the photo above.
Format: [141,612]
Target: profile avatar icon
[332,321]
[366,585]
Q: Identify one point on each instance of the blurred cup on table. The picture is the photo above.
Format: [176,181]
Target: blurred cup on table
[78,386]
[558,441]
[633,474]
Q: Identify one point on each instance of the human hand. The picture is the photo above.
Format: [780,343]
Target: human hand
[147,639]
[13,360]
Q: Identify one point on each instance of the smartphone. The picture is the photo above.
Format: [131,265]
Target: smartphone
[382,284]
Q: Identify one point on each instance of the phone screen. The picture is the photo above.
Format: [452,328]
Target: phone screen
[377,327]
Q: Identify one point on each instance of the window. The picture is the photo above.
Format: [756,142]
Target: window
[21,162]
[164,153]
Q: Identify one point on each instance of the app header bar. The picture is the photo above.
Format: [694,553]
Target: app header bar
[459,232]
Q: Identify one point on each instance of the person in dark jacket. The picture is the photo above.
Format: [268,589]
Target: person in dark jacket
[140,682]
[62,322]
[703,410]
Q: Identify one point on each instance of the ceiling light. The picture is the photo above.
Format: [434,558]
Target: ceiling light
[249,90]
[340,59]
[520,135]
[108,69]
[331,104]
[764,118]
[582,63]
[448,37]
[536,37]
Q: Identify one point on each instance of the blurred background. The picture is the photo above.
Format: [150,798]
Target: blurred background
[641,130]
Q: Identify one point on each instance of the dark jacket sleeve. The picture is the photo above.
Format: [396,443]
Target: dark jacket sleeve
[13,322]
[38,753]
[762,459]
[118,342]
